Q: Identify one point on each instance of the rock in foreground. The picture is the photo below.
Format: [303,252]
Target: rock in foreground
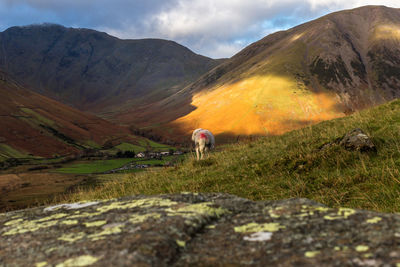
[200,230]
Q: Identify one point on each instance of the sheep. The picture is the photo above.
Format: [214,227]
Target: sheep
[203,141]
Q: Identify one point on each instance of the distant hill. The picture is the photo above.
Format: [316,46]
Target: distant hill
[34,125]
[94,71]
[319,70]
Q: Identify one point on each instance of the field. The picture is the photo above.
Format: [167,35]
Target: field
[99,166]
[46,182]
[96,166]
[141,146]
[289,166]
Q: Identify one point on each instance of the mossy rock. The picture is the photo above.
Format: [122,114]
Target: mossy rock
[191,229]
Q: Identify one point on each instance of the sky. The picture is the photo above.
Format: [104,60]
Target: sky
[214,28]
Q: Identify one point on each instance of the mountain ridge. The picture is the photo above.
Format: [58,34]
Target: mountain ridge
[323,69]
[92,70]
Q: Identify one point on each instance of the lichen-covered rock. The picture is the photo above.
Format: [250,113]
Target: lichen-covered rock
[198,230]
[355,140]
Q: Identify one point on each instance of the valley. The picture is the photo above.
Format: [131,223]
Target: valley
[48,149]
[299,108]
[41,181]
[79,104]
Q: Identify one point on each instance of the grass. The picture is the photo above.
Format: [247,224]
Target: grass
[144,145]
[96,166]
[130,147]
[158,146]
[289,166]
[38,117]
[92,144]
[34,189]
[9,152]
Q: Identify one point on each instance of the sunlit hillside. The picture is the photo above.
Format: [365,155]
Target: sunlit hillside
[323,69]
[259,105]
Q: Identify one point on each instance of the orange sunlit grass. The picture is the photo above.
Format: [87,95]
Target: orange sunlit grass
[387,32]
[257,106]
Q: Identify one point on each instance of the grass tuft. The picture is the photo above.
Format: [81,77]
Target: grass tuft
[202,163]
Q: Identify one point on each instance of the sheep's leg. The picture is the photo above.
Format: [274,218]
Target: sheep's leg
[201,145]
[197,151]
[207,152]
[202,150]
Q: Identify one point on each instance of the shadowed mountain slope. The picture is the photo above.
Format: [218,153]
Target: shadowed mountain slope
[94,71]
[319,70]
[33,124]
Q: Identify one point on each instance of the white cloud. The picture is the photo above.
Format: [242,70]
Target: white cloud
[217,28]
[207,17]
[218,49]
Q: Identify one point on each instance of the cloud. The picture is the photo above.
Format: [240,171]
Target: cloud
[213,28]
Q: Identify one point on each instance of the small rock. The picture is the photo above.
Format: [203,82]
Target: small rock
[355,140]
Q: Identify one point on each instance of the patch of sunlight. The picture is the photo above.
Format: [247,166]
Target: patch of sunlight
[257,106]
[296,37]
[387,32]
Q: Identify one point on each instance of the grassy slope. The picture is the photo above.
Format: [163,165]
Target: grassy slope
[32,124]
[9,152]
[291,166]
[142,145]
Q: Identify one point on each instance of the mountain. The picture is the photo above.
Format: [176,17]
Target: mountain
[94,71]
[31,124]
[323,69]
